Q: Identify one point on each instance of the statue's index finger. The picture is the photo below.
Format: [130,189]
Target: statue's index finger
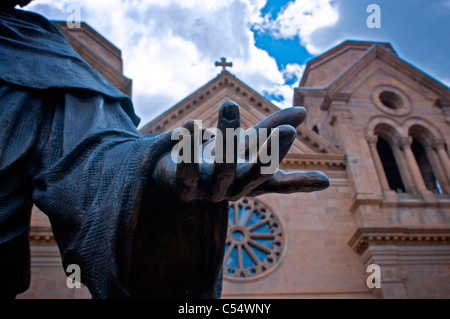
[225,167]
[293,116]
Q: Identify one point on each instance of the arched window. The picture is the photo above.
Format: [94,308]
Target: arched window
[428,148]
[315,129]
[390,166]
[425,167]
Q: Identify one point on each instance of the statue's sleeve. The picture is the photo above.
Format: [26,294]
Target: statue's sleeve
[79,158]
[69,144]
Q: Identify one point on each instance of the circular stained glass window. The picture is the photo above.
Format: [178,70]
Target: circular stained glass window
[255,240]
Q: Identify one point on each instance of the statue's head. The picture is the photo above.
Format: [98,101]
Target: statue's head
[12,3]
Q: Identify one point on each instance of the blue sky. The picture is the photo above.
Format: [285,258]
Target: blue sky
[418,30]
[169,47]
[284,50]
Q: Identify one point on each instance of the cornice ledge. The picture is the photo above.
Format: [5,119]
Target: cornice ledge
[41,234]
[365,236]
[334,97]
[321,160]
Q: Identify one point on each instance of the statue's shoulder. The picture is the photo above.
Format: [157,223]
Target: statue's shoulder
[28,19]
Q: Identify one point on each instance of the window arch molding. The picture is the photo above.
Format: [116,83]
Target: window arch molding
[386,126]
[423,130]
[388,132]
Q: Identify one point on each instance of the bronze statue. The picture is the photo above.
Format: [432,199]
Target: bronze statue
[185,242]
[137,223]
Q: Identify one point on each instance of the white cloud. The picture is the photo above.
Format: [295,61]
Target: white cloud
[169,47]
[302,18]
[293,70]
[284,93]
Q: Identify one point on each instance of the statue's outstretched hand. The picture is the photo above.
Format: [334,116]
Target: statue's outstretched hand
[213,173]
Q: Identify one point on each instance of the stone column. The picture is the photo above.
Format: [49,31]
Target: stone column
[364,190]
[439,146]
[404,144]
[372,140]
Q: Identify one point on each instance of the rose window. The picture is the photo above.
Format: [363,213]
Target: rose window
[255,240]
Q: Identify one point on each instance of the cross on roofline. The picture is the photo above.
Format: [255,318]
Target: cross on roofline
[224,64]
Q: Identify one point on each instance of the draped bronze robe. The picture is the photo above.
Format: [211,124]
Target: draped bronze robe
[69,144]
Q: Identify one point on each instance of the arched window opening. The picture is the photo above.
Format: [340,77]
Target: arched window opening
[425,167]
[315,129]
[390,166]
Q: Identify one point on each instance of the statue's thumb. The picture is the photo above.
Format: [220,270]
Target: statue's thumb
[168,140]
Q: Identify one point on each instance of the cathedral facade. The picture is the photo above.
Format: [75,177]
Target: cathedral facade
[377,126]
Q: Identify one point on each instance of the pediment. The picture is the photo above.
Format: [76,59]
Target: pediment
[204,105]
[376,59]
[323,69]
[390,63]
